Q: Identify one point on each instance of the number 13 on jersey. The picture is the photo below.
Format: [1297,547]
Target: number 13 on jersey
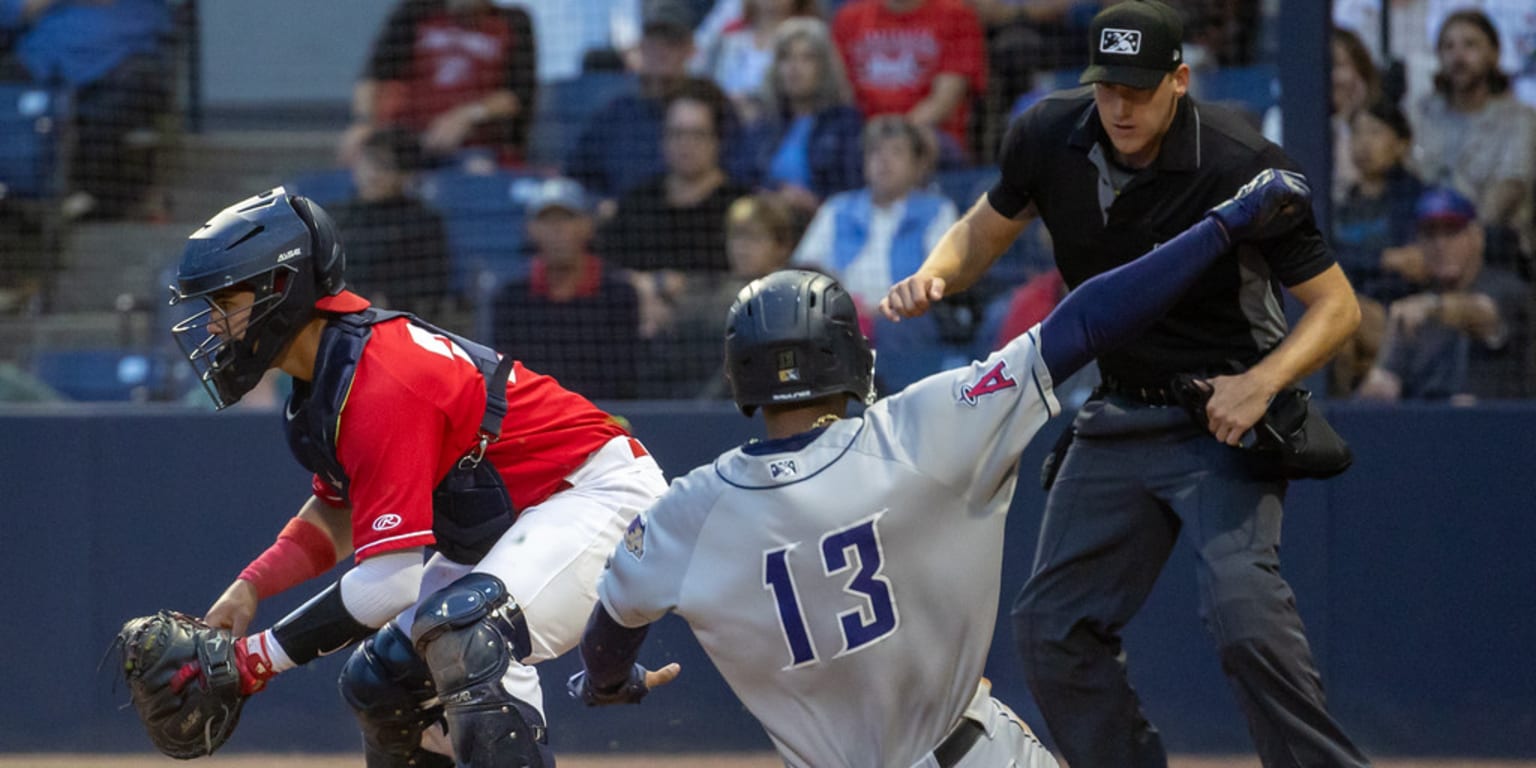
[873,616]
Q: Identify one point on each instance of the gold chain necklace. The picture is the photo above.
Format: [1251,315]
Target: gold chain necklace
[824,420]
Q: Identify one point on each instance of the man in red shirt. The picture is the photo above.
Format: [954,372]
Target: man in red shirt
[457,72]
[418,439]
[921,58]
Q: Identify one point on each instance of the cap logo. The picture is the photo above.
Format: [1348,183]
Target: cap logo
[1120,41]
[788,370]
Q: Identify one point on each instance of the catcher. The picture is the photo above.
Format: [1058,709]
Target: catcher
[418,439]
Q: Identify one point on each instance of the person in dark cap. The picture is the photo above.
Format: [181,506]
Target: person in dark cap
[620,146]
[574,316]
[1463,338]
[1112,169]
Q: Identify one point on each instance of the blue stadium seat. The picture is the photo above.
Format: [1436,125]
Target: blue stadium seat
[102,375]
[327,187]
[1253,88]
[965,185]
[32,119]
[564,107]
[483,215]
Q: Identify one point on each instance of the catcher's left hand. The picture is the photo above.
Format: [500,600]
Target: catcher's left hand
[185,682]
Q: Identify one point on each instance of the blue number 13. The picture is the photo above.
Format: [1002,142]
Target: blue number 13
[856,547]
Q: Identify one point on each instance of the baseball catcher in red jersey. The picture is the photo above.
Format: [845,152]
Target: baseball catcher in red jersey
[479,501]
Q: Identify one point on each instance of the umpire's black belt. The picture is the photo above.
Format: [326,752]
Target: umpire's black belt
[959,741]
[1159,394]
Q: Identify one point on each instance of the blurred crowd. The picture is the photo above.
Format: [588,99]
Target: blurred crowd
[735,137]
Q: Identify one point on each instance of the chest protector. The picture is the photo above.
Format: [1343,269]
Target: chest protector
[470,505]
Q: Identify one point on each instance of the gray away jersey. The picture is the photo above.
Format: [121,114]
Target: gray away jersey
[847,591]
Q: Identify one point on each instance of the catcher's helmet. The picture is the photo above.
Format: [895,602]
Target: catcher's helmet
[281,247]
[794,336]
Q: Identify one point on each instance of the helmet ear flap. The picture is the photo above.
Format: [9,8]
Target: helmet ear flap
[329,259]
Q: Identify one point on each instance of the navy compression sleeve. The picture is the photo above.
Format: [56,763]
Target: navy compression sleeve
[1114,307]
[609,650]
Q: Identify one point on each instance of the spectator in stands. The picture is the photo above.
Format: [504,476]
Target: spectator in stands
[738,59]
[1465,338]
[808,138]
[1472,134]
[869,236]
[923,59]
[1025,38]
[574,317]
[397,253]
[460,73]
[864,237]
[1375,224]
[112,57]
[760,235]
[1356,84]
[1375,233]
[24,266]
[674,224]
[567,32]
[620,146]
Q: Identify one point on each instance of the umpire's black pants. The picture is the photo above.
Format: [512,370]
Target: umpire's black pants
[1132,481]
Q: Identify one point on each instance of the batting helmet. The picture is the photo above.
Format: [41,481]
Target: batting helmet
[794,336]
[282,248]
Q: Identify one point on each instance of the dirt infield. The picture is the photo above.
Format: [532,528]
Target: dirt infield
[755,760]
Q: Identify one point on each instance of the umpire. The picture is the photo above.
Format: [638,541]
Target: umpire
[1113,169]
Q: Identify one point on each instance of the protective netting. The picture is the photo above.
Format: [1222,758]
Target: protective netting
[586,185]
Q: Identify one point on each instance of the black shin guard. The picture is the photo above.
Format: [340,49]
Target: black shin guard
[469,632]
[386,684]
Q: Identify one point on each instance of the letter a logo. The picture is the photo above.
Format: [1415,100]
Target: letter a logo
[994,380]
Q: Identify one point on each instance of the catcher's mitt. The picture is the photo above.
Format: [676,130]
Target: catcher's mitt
[184,681]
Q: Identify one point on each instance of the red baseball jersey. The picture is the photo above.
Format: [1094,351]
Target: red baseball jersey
[414,410]
[892,58]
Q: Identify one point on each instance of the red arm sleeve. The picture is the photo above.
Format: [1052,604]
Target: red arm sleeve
[302,551]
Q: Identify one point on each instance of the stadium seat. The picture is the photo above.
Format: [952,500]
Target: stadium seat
[1254,89]
[965,185]
[32,121]
[564,107]
[101,375]
[483,215]
[327,187]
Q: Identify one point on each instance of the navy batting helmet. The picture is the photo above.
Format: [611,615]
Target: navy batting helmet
[794,336]
[280,247]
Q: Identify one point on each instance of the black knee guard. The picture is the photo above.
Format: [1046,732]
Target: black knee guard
[469,633]
[386,684]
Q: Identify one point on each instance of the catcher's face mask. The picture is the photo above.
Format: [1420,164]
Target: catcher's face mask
[233,342]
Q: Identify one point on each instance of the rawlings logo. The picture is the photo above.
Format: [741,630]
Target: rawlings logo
[1120,41]
[386,522]
[996,379]
[795,395]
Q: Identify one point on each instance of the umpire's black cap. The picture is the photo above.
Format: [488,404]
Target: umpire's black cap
[1134,43]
